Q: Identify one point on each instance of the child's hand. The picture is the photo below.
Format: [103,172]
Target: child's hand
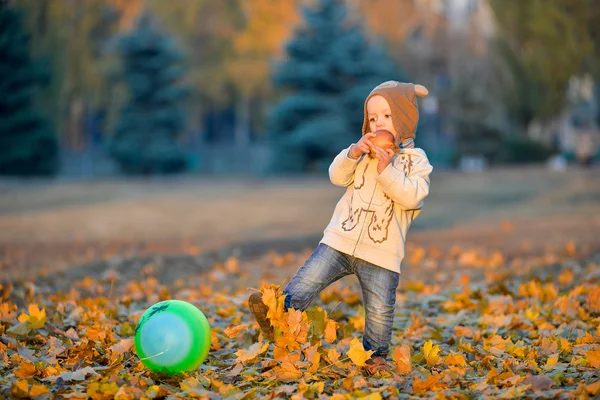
[363,146]
[384,156]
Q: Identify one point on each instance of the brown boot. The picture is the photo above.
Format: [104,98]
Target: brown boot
[259,310]
[377,364]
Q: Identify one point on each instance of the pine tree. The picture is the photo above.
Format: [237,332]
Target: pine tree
[28,145]
[146,135]
[330,68]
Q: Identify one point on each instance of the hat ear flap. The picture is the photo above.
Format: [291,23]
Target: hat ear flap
[421,91]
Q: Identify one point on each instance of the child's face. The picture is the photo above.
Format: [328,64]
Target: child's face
[380,115]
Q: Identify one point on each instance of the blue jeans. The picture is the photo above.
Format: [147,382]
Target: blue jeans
[325,266]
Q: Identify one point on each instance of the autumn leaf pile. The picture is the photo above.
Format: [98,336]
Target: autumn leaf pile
[515,332]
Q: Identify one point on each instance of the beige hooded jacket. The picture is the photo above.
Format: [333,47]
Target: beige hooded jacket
[372,218]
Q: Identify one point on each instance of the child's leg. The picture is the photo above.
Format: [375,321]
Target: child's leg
[379,297]
[325,266]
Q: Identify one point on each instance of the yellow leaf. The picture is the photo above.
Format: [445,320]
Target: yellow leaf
[372,396]
[593,358]
[20,389]
[37,390]
[252,352]
[565,345]
[234,331]
[357,353]
[358,321]
[331,331]
[37,317]
[402,359]
[430,352]
[455,359]
[551,362]
[275,302]
[25,370]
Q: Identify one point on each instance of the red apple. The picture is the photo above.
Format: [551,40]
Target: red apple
[384,139]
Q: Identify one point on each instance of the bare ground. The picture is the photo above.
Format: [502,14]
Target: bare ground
[83,227]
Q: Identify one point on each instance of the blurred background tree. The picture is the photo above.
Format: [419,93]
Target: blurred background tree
[329,70]
[146,135]
[544,44]
[502,75]
[28,145]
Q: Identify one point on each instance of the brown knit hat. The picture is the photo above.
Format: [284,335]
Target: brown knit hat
[403,104]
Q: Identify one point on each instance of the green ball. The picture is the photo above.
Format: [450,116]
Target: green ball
[172,336]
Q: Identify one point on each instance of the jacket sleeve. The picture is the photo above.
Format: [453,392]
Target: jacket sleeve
[341,170]
[407,191]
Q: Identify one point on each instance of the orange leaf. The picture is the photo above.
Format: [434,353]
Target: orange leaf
[593,388]
[431,383]
[455,359]
[402,359]
[298,325]
[462,331]
[357,353]
[287,372]
[593,358]
[283,355]
[331,331]
[234,331]
[25,370]
[287,341]
[593,298]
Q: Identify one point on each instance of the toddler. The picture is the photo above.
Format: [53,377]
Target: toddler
[367,232]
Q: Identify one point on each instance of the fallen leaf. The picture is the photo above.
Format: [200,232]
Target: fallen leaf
[331,331]
[287,372]
[593,358]
[430,352]
[121,347]
[431,383]
[402,359]
[78,375]
[234,331]
[357,353]
[252,352]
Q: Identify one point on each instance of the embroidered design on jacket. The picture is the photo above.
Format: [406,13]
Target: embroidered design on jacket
[378,217]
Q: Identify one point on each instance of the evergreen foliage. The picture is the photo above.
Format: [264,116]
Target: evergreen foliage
[28,146]
[330,68]
[146,136]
